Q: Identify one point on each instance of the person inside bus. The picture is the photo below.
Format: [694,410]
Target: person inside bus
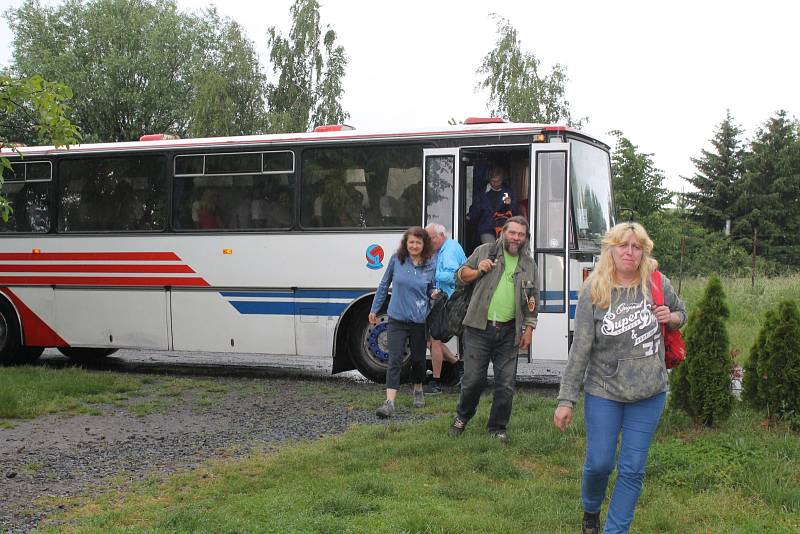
[449,257]
[617,355]
[410,273]
[499,323]
[204,211]
[492,206]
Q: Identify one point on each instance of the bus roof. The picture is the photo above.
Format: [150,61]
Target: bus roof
[458,130]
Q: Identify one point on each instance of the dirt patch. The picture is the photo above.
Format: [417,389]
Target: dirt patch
[62,456]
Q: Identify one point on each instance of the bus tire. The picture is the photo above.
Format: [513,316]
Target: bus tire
[369,347]
[85,354]
[9,335]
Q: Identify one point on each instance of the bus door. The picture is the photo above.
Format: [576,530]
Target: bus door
[550,194]
[440,198]
[440,191]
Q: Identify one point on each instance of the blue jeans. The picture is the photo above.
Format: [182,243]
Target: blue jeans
[605,419]
[397,332]
[496,345]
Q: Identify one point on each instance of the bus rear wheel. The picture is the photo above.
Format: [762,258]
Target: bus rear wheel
[85,354]
[9,335]
[370,348]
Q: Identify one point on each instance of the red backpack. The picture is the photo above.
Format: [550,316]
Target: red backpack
[674,347]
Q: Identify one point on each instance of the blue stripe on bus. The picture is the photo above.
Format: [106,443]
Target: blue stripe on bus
[250,307]
[557,295]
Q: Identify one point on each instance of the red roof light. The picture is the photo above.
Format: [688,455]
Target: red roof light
[333,128]
[484,120]
[158,137]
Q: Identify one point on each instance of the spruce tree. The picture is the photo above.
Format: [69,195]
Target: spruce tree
[770,185]
[752,390]
[779,364]
[701,385]
[717,177]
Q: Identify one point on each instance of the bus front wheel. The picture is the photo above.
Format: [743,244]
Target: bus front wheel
[370,348]
[85,354]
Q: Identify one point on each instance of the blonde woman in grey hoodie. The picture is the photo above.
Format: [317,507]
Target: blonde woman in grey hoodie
[617,355]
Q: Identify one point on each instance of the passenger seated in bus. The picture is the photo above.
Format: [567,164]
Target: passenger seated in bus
[204,211]
[493,205]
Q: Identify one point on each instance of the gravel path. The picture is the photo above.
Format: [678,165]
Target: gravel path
[64,456]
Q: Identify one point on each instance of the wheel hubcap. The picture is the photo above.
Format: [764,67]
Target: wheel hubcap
[376,342]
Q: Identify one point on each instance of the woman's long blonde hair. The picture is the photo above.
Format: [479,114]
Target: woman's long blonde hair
[603,278]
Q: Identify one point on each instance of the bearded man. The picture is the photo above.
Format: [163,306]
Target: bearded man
[499,323]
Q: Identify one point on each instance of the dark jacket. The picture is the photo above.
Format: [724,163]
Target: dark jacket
[526,284]
[483,209]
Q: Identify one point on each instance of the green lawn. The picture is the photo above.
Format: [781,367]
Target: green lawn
[411,477]
[747,304]
[27,392]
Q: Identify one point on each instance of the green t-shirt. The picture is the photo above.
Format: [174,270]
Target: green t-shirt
[501,308]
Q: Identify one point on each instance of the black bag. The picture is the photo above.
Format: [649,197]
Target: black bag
[437,319]
[447,315]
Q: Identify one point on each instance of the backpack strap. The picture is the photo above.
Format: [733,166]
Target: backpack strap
[495,251]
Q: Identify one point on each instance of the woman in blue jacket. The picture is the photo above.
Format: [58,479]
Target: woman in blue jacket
[410,273]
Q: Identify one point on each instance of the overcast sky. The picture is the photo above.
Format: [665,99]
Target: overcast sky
[661,72]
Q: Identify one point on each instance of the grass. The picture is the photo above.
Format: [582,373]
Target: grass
[747,305]
[411,477]
[28,392]
[32,391]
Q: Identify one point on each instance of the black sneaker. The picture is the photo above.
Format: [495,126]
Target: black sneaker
[591,523]
[432,388]
[457,428]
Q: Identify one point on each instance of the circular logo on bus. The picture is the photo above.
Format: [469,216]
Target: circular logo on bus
[374,256]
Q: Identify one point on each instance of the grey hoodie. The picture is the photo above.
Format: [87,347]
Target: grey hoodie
[617,352]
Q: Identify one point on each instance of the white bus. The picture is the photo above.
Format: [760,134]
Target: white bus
[273,243]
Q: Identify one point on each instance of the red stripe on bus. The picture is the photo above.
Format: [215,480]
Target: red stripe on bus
[67,268]
[90,256]
[35,331]
[157,281]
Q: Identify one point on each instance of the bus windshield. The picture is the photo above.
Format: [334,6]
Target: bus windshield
[591,193]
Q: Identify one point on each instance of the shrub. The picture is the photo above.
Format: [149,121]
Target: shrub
[777,369]
[752,390]
[701,385]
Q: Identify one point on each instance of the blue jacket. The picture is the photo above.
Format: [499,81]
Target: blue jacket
[449,258]
[482,210]
[411,290]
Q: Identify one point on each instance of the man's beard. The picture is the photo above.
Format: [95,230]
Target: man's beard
[513,248]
